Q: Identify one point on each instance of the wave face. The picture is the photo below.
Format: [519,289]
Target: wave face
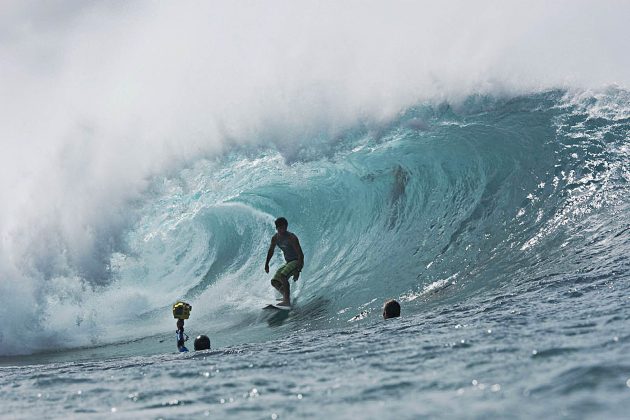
[442,205]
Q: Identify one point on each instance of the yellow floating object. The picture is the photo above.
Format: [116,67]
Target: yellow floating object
[181,310]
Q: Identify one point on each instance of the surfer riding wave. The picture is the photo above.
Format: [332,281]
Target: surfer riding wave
[293,255]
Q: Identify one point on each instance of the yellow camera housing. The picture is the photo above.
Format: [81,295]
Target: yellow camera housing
[181,310]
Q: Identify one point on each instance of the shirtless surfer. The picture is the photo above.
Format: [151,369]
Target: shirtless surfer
[293,255]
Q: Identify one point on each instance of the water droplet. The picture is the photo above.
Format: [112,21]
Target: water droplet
[534,352]
[299,396]
[474,382]
[615,339]
[495,388]
[274,416]
[79,392]
[39,395]
[206,374]
[489,331]
[627,384]
[222,400]
[114,409]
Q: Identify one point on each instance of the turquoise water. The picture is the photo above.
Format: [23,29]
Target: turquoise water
[500,224]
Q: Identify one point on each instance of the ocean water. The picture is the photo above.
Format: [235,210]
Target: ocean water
[500,224]
[469,159]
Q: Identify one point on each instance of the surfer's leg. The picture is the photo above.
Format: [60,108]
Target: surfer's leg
[277,284]
[280,282]
[286,292]
[276,281]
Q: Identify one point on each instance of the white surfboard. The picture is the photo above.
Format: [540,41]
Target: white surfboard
[275,306]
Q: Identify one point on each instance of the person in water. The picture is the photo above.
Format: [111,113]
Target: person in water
[181,337]
[391,309]
[293,256]
[202,342]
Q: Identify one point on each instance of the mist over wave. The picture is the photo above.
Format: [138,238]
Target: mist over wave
[156,133]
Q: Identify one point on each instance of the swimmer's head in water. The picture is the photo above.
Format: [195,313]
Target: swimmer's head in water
[391,309]
[202,342]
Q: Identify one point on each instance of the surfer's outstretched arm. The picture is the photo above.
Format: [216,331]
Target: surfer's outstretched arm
[270,253]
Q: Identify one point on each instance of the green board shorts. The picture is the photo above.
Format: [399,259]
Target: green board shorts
[286,270]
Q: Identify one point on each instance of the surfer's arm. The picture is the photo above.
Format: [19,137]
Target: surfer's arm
[298,249]
[272,246]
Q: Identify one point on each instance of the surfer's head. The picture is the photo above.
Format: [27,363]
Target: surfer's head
[391,309]
[202,342]
[281,225]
